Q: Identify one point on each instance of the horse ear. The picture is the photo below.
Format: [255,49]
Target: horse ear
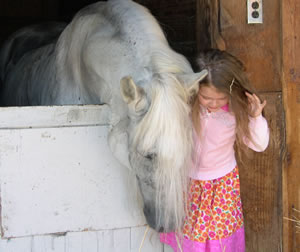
[133,95]
[191,81]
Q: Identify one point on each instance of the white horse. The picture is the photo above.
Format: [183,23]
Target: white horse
[115,53]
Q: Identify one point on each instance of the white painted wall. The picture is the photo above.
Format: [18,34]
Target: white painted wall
[118,240]
[61,188]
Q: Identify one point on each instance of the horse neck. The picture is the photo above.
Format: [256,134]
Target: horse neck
[134,20]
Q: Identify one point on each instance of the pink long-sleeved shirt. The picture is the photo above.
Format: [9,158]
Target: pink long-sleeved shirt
[214,154]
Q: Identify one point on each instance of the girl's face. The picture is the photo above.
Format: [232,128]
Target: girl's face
[211,98]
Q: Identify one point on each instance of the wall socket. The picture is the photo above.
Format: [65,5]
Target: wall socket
[255,11]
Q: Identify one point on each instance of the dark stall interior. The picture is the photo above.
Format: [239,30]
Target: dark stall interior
[177,18]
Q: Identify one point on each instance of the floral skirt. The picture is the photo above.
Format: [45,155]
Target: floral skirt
[215,221]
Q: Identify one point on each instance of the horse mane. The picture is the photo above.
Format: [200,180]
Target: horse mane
[166,128]
[70,46]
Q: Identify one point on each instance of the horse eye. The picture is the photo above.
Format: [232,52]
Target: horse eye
[150,156]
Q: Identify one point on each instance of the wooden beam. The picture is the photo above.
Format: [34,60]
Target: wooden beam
[257,45]
[291,95]
[261,184]
[208,25]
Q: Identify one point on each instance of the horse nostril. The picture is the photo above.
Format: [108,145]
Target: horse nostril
[161,229]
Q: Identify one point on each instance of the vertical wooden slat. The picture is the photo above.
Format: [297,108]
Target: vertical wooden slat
[291,94]
[42,244]
[167,248]
[150,243]
[47,243]
[207,22]
[261,185]
[57,243]
[202,25]
[75,241]
[16,245]
[257,45]
[121,240]
[114,240]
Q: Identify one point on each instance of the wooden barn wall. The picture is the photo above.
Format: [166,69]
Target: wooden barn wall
[258,46]
[291,94]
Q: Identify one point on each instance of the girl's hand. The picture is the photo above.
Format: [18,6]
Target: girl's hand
[256,106]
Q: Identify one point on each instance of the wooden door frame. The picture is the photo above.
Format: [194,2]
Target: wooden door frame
[291,99]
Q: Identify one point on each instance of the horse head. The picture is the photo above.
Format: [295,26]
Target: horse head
[160,144]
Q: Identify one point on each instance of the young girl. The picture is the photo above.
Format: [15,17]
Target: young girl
[225,112]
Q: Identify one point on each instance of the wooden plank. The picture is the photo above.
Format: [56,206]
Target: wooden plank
[146,239]
[114,240]
[118,240]
[257,45]
[167,248]
[63,179]
[53,116]
[16,245]
[291,94]
[47,244]
[121,240]
[57,243]
[208,25]
[81,241]
[261,184]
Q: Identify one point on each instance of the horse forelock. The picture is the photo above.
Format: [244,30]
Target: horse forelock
[166,129]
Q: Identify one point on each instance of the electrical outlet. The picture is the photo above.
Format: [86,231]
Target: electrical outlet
[255,11]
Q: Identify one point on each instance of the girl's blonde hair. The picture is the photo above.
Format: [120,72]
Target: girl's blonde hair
[227,74]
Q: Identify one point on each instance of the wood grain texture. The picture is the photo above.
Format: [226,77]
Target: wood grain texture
[291,94]
[261,184]
[257,45]
[208,25]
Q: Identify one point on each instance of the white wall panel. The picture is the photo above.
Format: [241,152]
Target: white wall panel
[61,188]
[119,240]
[151,240]
[63,179]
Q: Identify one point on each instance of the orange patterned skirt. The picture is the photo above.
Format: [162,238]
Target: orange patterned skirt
[215,220]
